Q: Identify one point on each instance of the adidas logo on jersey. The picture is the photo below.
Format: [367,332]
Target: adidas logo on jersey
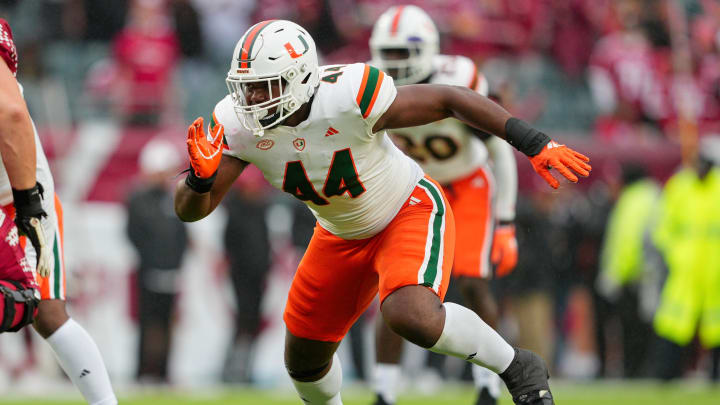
[414,200]
[331,131]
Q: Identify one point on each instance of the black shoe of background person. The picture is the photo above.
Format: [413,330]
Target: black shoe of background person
[484,398]
[527,379]
[379,400]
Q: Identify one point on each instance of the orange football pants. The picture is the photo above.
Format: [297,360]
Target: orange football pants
[471,202]
[337,279]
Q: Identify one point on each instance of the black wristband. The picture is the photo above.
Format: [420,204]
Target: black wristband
[525,138]
[28,202]
[198,184]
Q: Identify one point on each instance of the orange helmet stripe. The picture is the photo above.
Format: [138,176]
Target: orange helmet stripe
[250,41]
[396,20]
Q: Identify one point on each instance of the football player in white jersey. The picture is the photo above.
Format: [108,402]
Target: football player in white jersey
[38,214]
[405,44]
[318,133]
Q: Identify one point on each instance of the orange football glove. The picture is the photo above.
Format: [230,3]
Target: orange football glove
[562,159]
[504,253]
[205,154]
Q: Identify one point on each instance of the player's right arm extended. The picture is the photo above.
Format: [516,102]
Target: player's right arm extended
[17,138]
[17,147]
[421,104]
[210,176]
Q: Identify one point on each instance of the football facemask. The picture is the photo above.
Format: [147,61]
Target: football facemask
[278,57]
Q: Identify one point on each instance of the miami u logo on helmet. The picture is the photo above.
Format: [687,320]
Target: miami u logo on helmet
[291,50]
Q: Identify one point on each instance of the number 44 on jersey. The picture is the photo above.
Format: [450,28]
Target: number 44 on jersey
[342,178]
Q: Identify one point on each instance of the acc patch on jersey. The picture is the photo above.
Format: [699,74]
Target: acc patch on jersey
[299,144]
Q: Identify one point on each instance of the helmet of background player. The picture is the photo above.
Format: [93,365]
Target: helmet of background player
[273,54]
[709,149]
[403,43]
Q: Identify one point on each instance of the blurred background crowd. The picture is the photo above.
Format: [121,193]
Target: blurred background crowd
[618,276]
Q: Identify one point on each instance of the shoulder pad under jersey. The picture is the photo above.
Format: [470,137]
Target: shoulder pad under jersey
[459,70]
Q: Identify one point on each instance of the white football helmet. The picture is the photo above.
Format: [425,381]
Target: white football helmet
[709,148]
[273,52]
[405,28]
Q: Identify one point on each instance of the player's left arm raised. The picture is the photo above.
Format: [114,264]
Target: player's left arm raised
[424,103]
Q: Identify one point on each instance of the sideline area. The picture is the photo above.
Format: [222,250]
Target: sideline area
[691,392]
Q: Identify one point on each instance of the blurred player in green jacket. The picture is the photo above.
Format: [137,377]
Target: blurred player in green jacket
[688,235]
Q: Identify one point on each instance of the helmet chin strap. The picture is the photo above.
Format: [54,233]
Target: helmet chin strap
[268,120]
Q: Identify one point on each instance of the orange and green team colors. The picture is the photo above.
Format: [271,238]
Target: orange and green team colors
[369,89]
[214,122]
[212,128]
[53,286]
[337,279]
[249,43]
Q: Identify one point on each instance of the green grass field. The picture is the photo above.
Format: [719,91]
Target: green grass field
[566,393]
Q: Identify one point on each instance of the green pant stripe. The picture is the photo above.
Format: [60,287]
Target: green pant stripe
[431,270]
[57,270]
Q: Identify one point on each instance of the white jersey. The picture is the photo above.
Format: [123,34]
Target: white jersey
[353,180]
[447,150]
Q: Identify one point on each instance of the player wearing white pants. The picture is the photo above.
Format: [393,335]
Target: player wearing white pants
[75,350]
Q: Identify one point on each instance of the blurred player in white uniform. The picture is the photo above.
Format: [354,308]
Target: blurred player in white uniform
[75,350]
[383,226]
[405,44]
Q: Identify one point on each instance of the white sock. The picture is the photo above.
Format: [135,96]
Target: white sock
[80,358]
[385,380]
[325,391]
[465,335]
[485,378]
